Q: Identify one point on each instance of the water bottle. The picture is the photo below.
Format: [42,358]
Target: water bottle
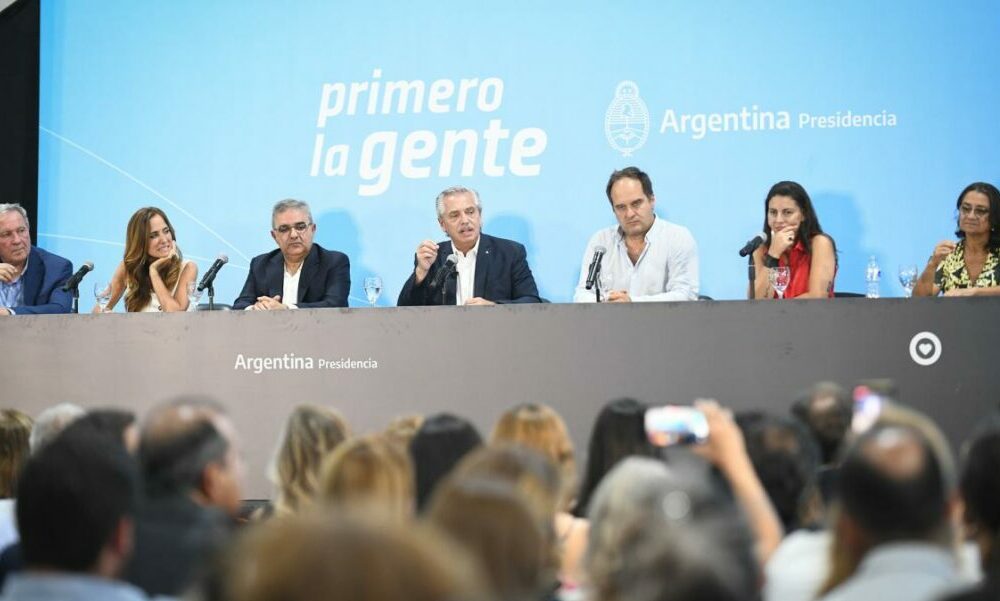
[872,275]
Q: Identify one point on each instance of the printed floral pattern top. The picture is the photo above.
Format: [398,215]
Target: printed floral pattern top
[951,273]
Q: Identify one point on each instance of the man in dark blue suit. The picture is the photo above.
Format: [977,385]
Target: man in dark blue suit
[30,278]
[487,270]
[298,274]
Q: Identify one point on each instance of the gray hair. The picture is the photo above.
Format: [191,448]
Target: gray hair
[290,204]
[439,201]
[7,207]
[51,422]
[660,533]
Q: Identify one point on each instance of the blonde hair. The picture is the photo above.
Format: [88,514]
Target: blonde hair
[540,428]
[369,469]
[402,429]
[15,430]
[311,434]
[317,556]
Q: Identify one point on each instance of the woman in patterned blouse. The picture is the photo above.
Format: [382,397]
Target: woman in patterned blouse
[971,266]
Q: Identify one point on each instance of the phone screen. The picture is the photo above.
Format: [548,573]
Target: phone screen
[673,424]
[867,409]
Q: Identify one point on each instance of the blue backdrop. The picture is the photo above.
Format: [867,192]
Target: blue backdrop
[215,110]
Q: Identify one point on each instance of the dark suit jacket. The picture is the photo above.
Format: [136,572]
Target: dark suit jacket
[325,280]
[502,276]
[46,273]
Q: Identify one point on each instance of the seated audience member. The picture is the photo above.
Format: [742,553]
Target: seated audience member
[440,443]
[153,275]
[786,460]
[619,432]
[660,533]
[540,428]
[494,523]
[311,434]
[646,258]
[794,239]
[31,279]
[192,471]
[15,431]
[340,556]
[51,422]
[368,471]
[488,271]
[75,513]
[980,489]
[299,273]
[826,409]
[971,266]
[892,532]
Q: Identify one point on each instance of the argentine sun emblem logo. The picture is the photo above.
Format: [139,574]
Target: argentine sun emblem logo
[626,124]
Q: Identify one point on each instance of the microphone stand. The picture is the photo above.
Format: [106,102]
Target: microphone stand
[211,296]
[752,272]
[75,307]
[597,280]
[452,274]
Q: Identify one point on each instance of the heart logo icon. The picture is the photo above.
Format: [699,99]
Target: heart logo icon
[925,348]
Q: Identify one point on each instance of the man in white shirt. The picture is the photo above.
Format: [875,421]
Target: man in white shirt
[487,271]
[646,258]
[299,273]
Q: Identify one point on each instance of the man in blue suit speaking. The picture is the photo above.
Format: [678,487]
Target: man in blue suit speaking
[484,270]
[30,278]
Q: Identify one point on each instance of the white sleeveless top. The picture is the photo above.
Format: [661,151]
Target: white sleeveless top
[153,306]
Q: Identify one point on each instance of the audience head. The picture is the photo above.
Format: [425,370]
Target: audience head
[51,422]
[540,428]
[440,443]
[494,523]
[659,534]
[786,459]
[402,429]
[826,409]
[317,556]
[15,430]
[891,487]
[619,432]
[74,510]
[311,434]
[980,488]
[189,447]
[117,424]
[369,471]
[528,471]
[149,237]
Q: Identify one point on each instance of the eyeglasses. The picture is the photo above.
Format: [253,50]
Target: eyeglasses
[969,210]
[298,227]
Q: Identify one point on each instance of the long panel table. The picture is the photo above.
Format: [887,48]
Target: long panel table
[374,364]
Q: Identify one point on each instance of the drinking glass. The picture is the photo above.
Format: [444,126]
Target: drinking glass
[779,277]
[102,294]
[373,288]
[908,278]
[194,295]
[606,282]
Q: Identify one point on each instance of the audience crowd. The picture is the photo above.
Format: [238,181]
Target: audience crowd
[813,504]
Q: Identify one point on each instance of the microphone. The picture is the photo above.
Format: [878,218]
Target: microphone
[74,280]
[209,276]
[449,267]
[595,266]
[752,245]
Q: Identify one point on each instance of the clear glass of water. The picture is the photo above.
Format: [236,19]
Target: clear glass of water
[102,294]
[908,278]
[373,288]
[194,295]
[779,277]
[606,282]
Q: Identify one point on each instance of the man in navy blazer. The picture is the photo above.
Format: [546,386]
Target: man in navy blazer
[30,278]
[487,270]
[298,274]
